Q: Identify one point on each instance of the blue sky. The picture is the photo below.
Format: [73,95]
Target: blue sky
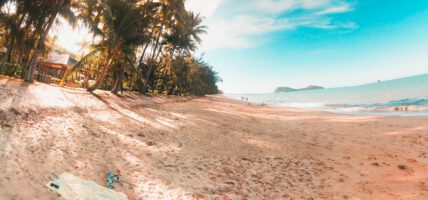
[257,45]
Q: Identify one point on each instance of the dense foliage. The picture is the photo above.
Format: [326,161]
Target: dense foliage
[14,70]
[141,45]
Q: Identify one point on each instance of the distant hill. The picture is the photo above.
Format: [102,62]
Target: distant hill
[284,89]
[289,89]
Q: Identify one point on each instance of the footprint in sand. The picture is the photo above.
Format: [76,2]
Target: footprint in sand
[423,186]
[372,157]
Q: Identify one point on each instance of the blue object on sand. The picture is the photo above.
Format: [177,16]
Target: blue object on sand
[111,179]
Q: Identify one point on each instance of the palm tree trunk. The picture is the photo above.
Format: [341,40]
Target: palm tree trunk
[155,55]
[32,65]
[147,45]
[157,42]
[38,32]
[143,54]
[8,56]
[145,81]
[86,80]
[118,83]
[104,72]
[9,46]
[147,78]
[145,48]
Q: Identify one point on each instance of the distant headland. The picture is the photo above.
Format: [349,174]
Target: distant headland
[289,89]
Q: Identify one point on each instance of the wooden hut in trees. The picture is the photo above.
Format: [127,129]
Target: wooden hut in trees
[52,69]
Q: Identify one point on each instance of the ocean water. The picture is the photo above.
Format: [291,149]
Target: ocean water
[406,96]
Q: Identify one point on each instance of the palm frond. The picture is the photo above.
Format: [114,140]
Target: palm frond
[66,13]
[81,63]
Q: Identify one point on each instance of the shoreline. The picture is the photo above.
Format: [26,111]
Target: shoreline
[204,148]
[399,110]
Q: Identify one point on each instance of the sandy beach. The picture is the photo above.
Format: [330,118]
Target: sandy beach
[204,148]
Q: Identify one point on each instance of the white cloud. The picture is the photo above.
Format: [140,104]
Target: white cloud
[285,5]
[238,27]
[237,31]
[335,10]
[205,7]
[275,6]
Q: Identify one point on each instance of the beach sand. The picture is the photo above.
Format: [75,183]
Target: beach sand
[204,148]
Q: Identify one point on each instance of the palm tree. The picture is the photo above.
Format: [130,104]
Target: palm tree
[193,30]
[12,23]
[184,38]
[120,34]
[170,13]
[50,10]
[162,32]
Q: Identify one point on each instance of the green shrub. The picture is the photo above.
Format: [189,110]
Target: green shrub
[12,69]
